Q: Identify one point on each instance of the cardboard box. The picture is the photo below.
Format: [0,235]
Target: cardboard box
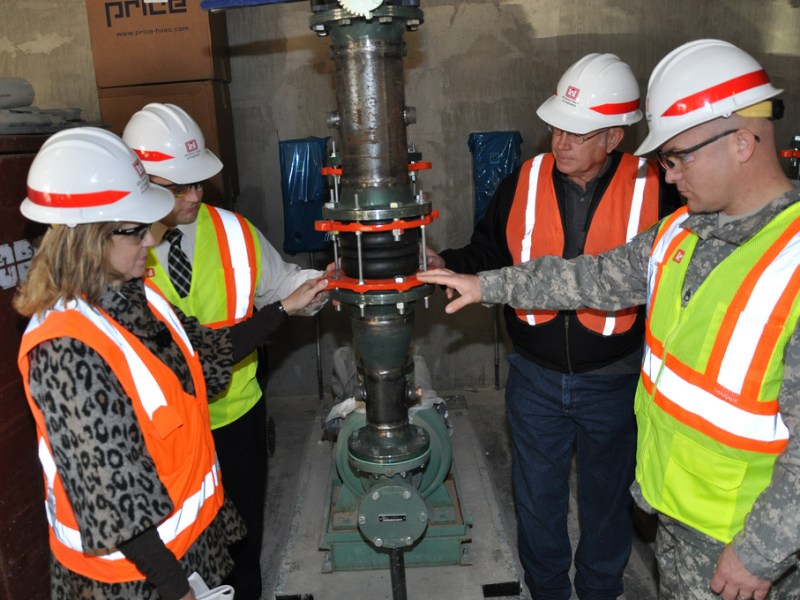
[208,103]
[136,42]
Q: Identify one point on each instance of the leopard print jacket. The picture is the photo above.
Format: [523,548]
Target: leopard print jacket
[99,449]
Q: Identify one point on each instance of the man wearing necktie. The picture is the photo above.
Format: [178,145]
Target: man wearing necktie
[216,266]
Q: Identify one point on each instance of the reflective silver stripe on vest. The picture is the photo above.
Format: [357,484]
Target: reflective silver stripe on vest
[238,250]
[164,308]
[152,397]
[637,201]
[530,218]
[609,324]
[530,208]
[657,255]
[635,215]
[750,323]
[718,412]
[68,536]
[168,530]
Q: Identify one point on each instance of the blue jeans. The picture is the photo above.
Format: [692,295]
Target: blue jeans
[550,415]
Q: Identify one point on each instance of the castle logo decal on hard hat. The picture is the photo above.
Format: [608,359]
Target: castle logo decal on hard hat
[572,93]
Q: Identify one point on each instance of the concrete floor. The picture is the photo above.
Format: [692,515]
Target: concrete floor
[298,479]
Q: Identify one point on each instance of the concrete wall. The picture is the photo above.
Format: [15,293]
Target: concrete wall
[47,43]
[472,66]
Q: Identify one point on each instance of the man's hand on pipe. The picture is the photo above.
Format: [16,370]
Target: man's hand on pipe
[467,286]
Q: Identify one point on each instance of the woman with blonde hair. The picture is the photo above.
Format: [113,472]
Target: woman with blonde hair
[118,381]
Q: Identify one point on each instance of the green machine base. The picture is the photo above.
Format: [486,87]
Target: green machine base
[446,525]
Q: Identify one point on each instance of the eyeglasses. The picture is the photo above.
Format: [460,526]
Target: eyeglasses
[574,138]
[140,231]
[669,160]
[181,190]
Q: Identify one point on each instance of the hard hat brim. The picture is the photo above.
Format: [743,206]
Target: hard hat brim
[656,139]
[202,167]
[555,113]
[651,143]
[150,206]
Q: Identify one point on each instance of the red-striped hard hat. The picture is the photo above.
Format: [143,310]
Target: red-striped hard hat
[89,175]
[597,91]
[698,82]
[170,144]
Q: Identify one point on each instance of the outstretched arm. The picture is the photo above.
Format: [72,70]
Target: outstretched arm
[248,335]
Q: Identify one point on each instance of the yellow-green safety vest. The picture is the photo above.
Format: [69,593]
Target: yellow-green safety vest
[710,428]
[221,294]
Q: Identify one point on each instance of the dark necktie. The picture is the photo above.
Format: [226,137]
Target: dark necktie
[180,269]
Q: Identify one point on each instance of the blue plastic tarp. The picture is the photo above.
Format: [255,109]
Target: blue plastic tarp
[495,155]
[304,191]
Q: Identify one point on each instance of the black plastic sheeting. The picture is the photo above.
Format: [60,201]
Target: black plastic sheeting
[304,191]
[495,154]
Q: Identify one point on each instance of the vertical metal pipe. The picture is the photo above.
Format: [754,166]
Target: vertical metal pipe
[360,259]
[398,571]
[320,386]
[496,331]
[424,262]
[370,99]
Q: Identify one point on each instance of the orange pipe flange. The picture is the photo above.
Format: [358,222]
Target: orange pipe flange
[337,280]
[339,226]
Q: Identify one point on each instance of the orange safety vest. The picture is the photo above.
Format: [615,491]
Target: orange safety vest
[174,424]
[534,228]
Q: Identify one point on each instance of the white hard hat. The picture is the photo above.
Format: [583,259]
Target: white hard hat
[89,175]
[170,144]
[699,82]
[597,91]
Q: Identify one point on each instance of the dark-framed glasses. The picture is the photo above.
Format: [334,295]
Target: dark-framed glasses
[677,160]
[574,138]
[181,190]
[139,232]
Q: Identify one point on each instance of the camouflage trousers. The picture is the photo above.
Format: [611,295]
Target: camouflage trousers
[686,561]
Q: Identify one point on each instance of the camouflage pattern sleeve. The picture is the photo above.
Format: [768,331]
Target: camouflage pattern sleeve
[770,541]
[610,281]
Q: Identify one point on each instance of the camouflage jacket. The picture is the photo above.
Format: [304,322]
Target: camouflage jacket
[770,541]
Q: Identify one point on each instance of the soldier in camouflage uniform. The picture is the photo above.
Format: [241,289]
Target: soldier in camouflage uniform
[572,374]
[731,531]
